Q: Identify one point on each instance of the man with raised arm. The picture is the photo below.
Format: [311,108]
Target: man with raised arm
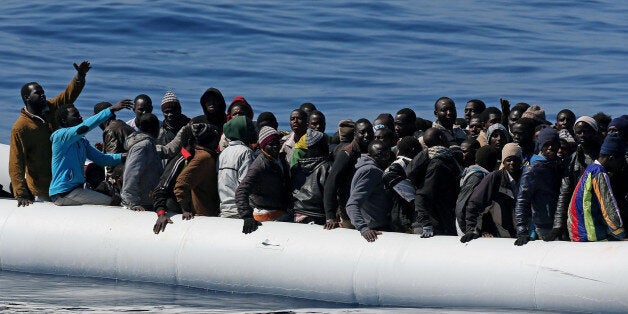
[30,148]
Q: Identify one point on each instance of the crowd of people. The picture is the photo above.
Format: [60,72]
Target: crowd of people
[495,172]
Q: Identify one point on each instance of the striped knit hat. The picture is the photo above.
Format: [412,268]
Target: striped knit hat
[266,134]
[588,120]
[170,100]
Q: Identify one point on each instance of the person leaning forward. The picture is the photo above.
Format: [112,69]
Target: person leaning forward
[30,151]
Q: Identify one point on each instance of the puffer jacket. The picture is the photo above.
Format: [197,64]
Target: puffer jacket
[266,186]
[471,177]
[233,165]
[142,170]
[538,194]
[308,182]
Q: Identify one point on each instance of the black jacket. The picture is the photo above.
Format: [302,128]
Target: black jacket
[338,184]
[266,186]
[494,190]
[576,164]
[308,181]
[114,136]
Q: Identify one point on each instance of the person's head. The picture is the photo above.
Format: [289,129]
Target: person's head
[149,124]
[240,128]
[475,125]
[515,113]
[205,135]
[461,123]
[612,153]
[445,112]
[346,130]
[602,120]
[214,106]
[405,122]
[549,143]
[142,104]
[69,116]
[408,146]
[170,107]
[316,143]
[490,116]
[473,106]
[240,107]
[380,153]
[268,140]
[512,158]
[100,107]
[384,120]
[523,132]
[497,136]
[422,124]
[468,148]
[565,119]
[267,119]
[34,97]
[387,136]
[308,107]
[619,125]
[537,113]
[316,121]
[435,137]
[486,157]
[363,133]
[566,148]
[298,122]
[585,130]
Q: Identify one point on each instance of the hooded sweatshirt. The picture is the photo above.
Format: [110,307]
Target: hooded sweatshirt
[142,170]
[369,204]
[217,119]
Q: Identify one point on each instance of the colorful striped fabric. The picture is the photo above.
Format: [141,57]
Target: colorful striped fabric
[593,212]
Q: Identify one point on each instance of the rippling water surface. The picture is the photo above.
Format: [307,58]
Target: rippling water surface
[351,58]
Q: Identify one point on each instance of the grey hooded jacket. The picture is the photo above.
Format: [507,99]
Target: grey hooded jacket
[142,170]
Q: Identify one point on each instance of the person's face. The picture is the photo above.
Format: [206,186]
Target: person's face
[492,119]
[381,135]
[381,155]
[565,150]
[364,134]
[585,134]
[513,117]
[475,127]
[272,148]
[446,113]
[550,150]
[74,117]
[564,121]
[404,126]
[498,139]
[171,114]
[211,106]
[238,110]
[603,127]
[297,122]
[141,106]
[36,98]
[317,123]
[470,109]
[520,136]
[468,154]
[512,164]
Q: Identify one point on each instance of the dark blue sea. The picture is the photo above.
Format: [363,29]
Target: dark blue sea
[352,59]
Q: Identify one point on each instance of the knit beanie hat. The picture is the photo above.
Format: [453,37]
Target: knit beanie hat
[535,112]
[621,123]
[235,129]
[266,134]
[547,135]
[240,101]
[588,120]
[170,100]
[493,128]
[511,149]
[101,106]
[346,130]
[612,146]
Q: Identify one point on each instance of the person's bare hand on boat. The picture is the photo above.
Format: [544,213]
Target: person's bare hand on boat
[162,222]
[82,68]
[138,208]
[250,225]
[371,235]
[331,224]
[23,202]
[187,215]
[122,104]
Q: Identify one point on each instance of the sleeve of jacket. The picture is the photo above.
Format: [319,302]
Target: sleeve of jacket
[17,167]
[68,136]
[564,198]
[131,180]
[462,200]
[423,201]
[163,191]
[69,94]
[361,187]
[608,205]
[189,178]
[180,140]
[330,196]
[244,190]
[102,159]
[481,197]
[523,210]
[247,160]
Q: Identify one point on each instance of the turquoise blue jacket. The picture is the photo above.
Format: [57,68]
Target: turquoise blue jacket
[69,152]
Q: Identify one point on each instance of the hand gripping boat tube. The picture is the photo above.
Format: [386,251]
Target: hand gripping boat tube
[305,261]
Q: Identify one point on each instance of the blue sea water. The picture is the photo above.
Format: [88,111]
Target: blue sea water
[352,59]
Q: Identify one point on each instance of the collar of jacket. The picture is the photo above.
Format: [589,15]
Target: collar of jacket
[32,116]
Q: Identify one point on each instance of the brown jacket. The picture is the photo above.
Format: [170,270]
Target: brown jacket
[30,152]
[197,185]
